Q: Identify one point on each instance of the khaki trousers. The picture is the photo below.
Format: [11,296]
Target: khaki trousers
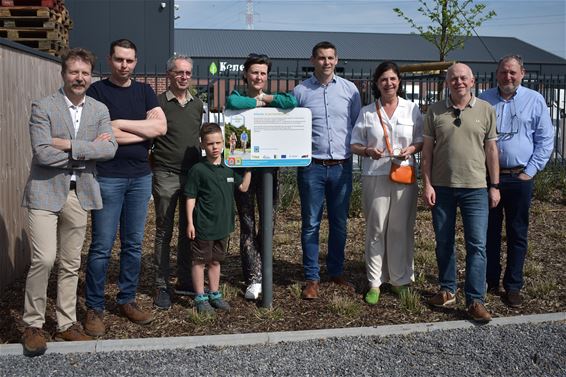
[390,211]
[49,232]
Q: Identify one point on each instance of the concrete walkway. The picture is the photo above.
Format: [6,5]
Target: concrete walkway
[188,342]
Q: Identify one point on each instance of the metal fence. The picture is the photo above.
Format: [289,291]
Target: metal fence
[423,89]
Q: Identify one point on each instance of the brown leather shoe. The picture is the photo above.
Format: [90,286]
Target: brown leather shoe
[34,341]
[341,280]
[94,325]
[132,311]
[478,312]
[72,334]
[311,290]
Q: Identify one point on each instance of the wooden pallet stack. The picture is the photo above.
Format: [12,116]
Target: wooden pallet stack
[40,24]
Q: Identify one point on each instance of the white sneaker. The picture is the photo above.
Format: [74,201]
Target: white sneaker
[253,291]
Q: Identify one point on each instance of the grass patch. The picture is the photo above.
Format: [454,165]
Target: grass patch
[541,288]
[200,319]
[411,301]
[425,259]
[420,277]
[229,292]
[345,306]
[269,314]
[295,290]
[288,190]
[532,269]
[550,184]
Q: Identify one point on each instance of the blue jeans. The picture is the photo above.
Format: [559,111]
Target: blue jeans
[125,203]
[317,183]
[515,203]
[474,207]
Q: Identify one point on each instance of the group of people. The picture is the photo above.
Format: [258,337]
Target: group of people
[90,153]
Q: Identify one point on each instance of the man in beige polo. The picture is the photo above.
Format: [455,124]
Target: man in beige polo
[459,142]
[69,132]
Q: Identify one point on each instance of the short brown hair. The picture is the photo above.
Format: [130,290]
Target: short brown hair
[209,128]
[77,53]
[323,46]
[256,59]
[124,43]
[506,58]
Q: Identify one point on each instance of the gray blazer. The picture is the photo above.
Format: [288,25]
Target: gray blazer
[51,169]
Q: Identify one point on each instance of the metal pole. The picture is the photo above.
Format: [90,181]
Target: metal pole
[267,239]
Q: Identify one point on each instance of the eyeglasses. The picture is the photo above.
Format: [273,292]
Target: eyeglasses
[182,73]
[507,126]
[458,120]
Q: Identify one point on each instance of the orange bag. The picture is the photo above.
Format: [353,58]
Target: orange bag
[402,171]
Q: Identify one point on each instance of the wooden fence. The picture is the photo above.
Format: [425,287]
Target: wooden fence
[26,75]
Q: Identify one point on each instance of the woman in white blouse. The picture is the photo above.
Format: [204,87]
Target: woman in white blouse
[389,208]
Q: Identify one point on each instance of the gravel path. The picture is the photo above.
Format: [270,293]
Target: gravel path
[510,350]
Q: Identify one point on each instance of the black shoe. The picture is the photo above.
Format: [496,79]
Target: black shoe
[162,299]
[513,299]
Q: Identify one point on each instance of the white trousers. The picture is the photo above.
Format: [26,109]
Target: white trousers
[390,211]
[55,233]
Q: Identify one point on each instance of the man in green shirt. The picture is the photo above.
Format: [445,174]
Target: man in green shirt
[173,154]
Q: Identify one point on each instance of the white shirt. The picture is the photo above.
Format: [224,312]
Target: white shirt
[404,128]
[75,112]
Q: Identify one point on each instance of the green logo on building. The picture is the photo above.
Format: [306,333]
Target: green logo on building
[212,68]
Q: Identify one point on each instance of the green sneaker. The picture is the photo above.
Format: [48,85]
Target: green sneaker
[400,290]
[372,296]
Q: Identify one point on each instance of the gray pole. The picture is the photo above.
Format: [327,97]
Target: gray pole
[267,239]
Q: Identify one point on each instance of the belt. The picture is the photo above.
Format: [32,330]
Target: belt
[73,185]
[329,162]
[509,171]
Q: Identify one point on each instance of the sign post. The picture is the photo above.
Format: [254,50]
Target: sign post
[267,239]
[269,138]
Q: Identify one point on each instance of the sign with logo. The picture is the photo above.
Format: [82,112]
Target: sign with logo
[267,137]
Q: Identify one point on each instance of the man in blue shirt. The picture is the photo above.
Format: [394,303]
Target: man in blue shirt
[525,142]
[335,104]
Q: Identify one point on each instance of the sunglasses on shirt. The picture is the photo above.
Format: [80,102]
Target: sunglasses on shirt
[458,120]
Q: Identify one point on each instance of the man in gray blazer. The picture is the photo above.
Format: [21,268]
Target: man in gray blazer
[69,132]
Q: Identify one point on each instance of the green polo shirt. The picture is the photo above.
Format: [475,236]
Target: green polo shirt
[213,187]
[458,157]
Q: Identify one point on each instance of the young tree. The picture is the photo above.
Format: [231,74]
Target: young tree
[452,22]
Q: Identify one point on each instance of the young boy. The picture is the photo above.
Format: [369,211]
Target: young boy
[210,212]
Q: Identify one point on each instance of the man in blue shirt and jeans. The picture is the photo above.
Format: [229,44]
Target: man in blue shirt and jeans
[525,142]
[335,104]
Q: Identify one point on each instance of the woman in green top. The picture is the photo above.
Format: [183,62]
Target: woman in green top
[256,71]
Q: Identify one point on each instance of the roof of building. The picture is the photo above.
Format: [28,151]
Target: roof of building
[206,43]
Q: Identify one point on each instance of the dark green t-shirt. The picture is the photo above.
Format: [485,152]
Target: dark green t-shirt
[213,187]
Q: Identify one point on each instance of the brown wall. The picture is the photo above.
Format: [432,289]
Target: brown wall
[23,77]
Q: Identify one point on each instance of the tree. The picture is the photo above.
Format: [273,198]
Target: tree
[453,21]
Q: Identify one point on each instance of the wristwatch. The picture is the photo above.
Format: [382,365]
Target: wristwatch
[494,185]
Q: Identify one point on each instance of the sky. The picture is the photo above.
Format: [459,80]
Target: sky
[540,23]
